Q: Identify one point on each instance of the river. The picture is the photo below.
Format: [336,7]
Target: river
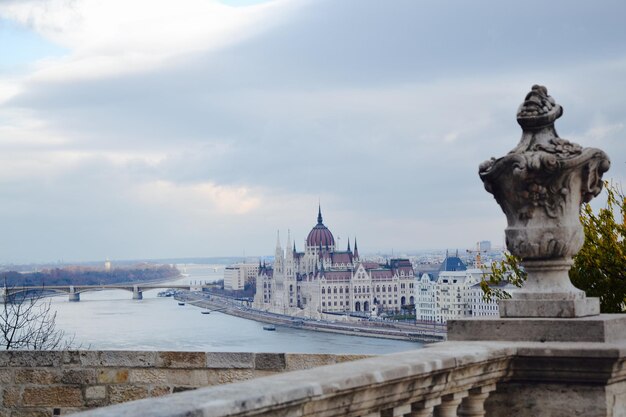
[111,320]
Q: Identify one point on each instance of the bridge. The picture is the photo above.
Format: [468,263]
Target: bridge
[74,291]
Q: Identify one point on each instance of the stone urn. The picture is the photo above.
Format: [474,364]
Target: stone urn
[540,185]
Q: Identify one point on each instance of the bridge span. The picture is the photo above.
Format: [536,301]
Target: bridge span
[74,291]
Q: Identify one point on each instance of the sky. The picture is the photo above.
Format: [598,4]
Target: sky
[151,129]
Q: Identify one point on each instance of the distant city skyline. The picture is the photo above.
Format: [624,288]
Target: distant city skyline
[152,129]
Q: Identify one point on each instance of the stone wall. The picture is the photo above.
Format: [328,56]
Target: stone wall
[48,383]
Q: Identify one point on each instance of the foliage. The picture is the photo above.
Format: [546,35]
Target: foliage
[27,322]
[599,267]
[506,270]
[83,276]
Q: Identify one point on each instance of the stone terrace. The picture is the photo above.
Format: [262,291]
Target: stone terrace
[48,383]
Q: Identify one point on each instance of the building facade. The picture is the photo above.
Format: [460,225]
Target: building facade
[324,279]
[453,293]
[236,276]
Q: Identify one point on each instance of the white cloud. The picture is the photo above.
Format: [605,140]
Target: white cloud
[191,128]
[112,37]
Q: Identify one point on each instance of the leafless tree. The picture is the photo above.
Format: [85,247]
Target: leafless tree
[27,321]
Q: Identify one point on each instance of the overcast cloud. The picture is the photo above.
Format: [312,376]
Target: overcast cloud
[193,128]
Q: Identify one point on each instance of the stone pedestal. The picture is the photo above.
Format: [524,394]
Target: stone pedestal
[603,328]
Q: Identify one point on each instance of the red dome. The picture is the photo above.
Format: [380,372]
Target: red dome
[320,235]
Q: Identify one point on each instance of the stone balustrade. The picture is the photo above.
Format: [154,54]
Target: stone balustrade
[446,379]
[47,383]
[442,380]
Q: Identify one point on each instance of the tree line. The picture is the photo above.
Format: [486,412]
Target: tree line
[72,276]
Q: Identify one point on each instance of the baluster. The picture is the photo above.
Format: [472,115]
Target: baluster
[423,408]
[449,404]
[399,411]
[474,404]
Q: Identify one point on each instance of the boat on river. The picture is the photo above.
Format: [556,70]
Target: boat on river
[181,304]
[269,327]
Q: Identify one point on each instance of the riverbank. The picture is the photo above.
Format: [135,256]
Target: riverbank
[384,330]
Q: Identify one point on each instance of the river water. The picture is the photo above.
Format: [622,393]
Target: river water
[111,320]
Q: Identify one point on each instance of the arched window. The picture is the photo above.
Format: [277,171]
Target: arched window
[323,290]
[383,288]
[347,289]
[378,289]
[389,289]
[335,290]
[340,290]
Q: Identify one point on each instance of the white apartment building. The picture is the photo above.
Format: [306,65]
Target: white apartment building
[236,276]
[454,293]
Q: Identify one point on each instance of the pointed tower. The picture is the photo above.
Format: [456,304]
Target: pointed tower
[349,245]
[279,256]
[356,250]
[319,214]
[288,257]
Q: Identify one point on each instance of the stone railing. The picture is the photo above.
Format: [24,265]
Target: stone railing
[52,383]
[446,379]
[413,383]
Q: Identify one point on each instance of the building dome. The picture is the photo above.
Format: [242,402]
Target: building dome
[320,235]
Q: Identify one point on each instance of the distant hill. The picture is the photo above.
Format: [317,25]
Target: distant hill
[80,275]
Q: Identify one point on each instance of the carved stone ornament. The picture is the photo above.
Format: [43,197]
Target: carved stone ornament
[540,185]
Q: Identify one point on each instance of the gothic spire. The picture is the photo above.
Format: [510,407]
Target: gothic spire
[356,249]
[319,214]
[348,244]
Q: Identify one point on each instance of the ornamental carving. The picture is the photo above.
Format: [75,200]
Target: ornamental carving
[541,184]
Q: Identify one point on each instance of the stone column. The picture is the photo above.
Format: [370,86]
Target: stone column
[73,295]
[423,408]
[540,185]
[449,404]
[474,404]
[137,293]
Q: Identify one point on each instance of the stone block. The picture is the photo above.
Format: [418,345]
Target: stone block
[41,412]
[34,358]
[270,361]
[113,358]
[298,361]
[11,397]
[224,360]
[71,357]
[112,376]
[123,393]
[6,377]
[96,392]
[160,390]
[601,328]
[78,376]
[549,308]
[181,359]
[54,396]
[188,377]
[148,376]
[36,376]
[226,376]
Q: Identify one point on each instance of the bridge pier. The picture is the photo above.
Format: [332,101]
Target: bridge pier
[73,296]
[137,293]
